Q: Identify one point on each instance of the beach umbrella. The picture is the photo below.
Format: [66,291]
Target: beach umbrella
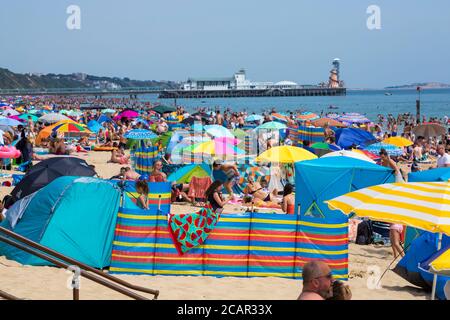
[353,118]
[215,147]
[111,111]
[254,117]
[398,141]
[140,134]
[271,125]
[188,120]
[285,154]
[327,121]
[74,113]
[429,130]
[422,205]
[349,154]
[129,114]
[70,127]
[307,116]
[10,112]
[164,109]
[48,170]
[368,154]
[392,150]
[321,146]
[26,115]
[53,117]
[94,126]
[279,117]
[218,131]
[9,122]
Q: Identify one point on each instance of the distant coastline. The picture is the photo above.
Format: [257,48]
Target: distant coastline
[424,85]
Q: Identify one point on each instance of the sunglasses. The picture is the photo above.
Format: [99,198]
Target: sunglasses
[328,276]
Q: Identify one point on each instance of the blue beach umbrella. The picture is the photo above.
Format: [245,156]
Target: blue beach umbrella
[254,117]
[9,122]
[94,126]
[390,149]
[218,131]
[140,134]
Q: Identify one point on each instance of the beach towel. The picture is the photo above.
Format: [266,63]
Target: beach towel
[198,186]
[190,230]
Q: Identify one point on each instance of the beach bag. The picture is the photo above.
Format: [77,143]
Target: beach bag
[364,235]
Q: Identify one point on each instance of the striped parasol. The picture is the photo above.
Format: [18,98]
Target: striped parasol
[423,205]
[392,150]
[305,116]
[71,127]
[139,134]
[353,118]
[279,117]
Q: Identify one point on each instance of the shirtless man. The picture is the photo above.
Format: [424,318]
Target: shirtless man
[219,118]
[317,281]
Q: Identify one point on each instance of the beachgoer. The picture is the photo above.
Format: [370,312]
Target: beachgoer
[214,196]
[341,291]
[256,190]
[131,174]
[317,281]
[443,160]
[142,190]
[386,161]
[395,232]
[157,175]
[226,173]
[288,202]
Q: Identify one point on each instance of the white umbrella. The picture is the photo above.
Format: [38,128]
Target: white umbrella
[349,154]
[53,117]
[10,112]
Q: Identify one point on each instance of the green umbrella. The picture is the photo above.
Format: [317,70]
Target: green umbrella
[272,125]
[321,145]
[239,133]
[26,115]
[163,109]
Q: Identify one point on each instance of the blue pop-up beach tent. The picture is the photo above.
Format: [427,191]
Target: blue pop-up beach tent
[411,266]
[94,126]
[75,216]
[439,174]
[346,137]
[323,179]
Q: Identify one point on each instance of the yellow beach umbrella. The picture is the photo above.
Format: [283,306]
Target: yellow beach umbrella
[441,265]
[398,141]
[285,154]
[423,205]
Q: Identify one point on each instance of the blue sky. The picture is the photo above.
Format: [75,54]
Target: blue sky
[274,40]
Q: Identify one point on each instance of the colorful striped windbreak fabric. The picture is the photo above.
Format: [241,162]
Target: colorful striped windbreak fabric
[241,245]
[312,134]
[293,135]
[159,194]
[143,158]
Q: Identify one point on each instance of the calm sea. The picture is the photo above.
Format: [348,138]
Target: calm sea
[434,103]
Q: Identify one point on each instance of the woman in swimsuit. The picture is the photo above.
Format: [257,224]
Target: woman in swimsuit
[142,190]
[157,175]
[214,196]
[256,190]
[288,203]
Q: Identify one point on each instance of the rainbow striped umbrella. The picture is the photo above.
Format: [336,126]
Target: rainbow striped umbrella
[279,117]
[71,127]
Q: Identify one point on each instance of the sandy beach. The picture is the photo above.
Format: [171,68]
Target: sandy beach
[365,264]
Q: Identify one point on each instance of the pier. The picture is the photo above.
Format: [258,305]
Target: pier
[236,93]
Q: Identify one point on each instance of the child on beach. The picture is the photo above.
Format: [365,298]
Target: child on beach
[142,190]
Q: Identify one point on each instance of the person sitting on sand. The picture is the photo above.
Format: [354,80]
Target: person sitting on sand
[59,147]
[317,281]
[256,190]
[157,175]
[131,174]
[142,190]
[341,291]
[214,196]
[288,202]
[118,155]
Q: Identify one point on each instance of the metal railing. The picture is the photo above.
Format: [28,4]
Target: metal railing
[86,271]
[39,91]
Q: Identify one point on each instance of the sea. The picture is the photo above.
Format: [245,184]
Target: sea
[434,103]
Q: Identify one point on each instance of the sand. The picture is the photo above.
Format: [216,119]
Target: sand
[366,264]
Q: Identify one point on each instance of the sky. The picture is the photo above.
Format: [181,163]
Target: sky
[292,40]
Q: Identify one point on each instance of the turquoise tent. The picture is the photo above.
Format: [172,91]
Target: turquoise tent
[75,216]
[323,179]
[185,174]
[439,174]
